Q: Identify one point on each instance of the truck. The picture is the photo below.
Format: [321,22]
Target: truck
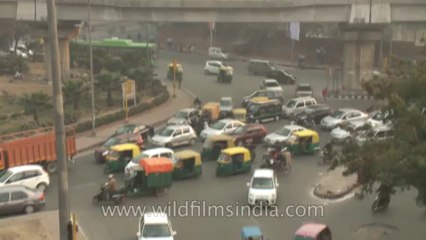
[34,147]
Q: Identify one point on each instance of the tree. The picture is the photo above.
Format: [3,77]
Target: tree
[34,104]
[74,92]
[400,161]
[108,81]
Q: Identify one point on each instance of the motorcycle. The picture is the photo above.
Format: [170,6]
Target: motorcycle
[275,164]
[380,204]
[102,196]
[309,124]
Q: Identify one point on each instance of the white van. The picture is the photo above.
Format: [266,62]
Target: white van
[263,188]
[217,53]
[133,165]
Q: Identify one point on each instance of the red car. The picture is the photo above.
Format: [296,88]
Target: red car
[254,131]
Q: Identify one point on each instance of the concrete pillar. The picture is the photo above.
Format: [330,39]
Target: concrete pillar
[47,60]
[358,58]
[64,53]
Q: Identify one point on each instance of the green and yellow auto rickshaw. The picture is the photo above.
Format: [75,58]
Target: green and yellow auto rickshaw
[304,142]
[240,114]
[179,72]
[214,144]
[119,155]
[210,111]
[226,74]
[188,164]
[233,161]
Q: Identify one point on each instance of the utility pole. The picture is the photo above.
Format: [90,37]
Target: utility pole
[92,84]
[148,53]
[35,10]
[64,206]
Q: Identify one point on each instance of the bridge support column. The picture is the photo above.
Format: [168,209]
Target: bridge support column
[358,57]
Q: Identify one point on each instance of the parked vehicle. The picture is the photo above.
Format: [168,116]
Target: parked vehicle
[101,152]
[304,142]
[214,144]
[272,85]
[154,175]
[118,156]
[154,226]
[251,233]
[161,152]
[260,67]
[343,116]
[297,105]
[223,126]
[184,116]
[188,165]
[313,231]
[315,112]
[233,161]
[282,77]
[175,135]
[213,67]
[20,199]
[34,147]
[172,74]
[210,111]
[31,176]
[348,132]
[304,90]
[263,188]
[261,111]
[282,134]
[261,95]
[239,114]
[254,132]
[217,53]
[226,74]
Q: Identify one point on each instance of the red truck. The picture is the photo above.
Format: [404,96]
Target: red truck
[34,147]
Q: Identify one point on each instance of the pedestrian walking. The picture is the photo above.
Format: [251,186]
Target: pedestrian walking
[325,94]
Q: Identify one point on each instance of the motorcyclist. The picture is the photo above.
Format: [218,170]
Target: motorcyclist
[197,102]
[309,122]
[327,150]
[385,192]
[248,143]
[110,186]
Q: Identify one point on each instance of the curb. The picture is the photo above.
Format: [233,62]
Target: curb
[352,97]
[332,195]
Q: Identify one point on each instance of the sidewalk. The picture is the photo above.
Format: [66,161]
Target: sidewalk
[333,184]
[154,117]
[37,226]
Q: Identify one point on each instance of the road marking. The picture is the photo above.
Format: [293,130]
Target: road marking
[87,185]
[82,233]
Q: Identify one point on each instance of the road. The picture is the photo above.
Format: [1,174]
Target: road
[348,218]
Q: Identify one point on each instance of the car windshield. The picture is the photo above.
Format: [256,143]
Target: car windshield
[337,114]
[262,183]
[111,142]
[167,132]
[156,230]
[283,131]
[218,125]
[126,129]
[139,157]
[240,130]
[225,103]
[304,88]
[272,84]
[4,175]
[291,104]
[181,114]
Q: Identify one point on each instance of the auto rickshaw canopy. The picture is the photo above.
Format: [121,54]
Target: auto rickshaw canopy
[252,231]
[311,230]
[156,165]
[230,142]
[189,154]
[236,150]
[227,69]
[213,108]
[239,111]
[179,67]
[308,133]
[126,147]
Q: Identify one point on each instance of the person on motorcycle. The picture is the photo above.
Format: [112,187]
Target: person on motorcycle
[111,186]
[197,102]
[327,150]
[309,122]
[385,192]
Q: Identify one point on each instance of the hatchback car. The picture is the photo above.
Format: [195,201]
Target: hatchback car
[20,199]
[271,84]
[101,152]
[283,134]
[282,77]
[217,53]
[342,116]
[160,152]
[303,90]
[174,135]
[263,188]
[184,116]
[223,126]
[315,112]
[212,67]
[254,132]
[154,226]
[31,176]
[260,67]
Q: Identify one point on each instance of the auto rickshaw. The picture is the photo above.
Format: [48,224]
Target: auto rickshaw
[188,165]
[233,161]
[313,231]
[179,72]
[304,142]
[118,156]
[225,74]
[210,111]
[240,114]
[214,144]
[154,175]
[251,233]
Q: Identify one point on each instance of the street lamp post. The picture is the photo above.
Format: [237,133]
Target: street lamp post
[91,71]
[35,10]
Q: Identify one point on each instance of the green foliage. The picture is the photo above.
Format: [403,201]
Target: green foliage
[107,81]
[35,104]
[74,91]
[11,64]
[399,161]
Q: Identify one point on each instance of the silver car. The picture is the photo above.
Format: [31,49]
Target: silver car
[18,199]
[343,116]
[347,133]
[223,126]
[183,116]
[283,134]
[175,135]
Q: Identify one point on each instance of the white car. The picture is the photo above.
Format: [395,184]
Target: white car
[271,84]
[348,132]
[155,226]
[133,165]
[226,104]
[183,116]
[378,133]
[174,135]
[343,116]
[31,176]
[283,134]
[224,126]
[217,53]
[297,105]
[303,90]
[212,67]
[378,118]
[263,188]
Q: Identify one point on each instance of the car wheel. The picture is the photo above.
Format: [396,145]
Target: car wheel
[29,209]
[52,167]
[41,187]
[192,141]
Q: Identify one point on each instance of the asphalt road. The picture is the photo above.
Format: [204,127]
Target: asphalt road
[348,218]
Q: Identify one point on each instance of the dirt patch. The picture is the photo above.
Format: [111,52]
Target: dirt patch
[32,229]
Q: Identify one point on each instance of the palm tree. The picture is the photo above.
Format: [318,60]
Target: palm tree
[34,104]
[73,92]
[108,81]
